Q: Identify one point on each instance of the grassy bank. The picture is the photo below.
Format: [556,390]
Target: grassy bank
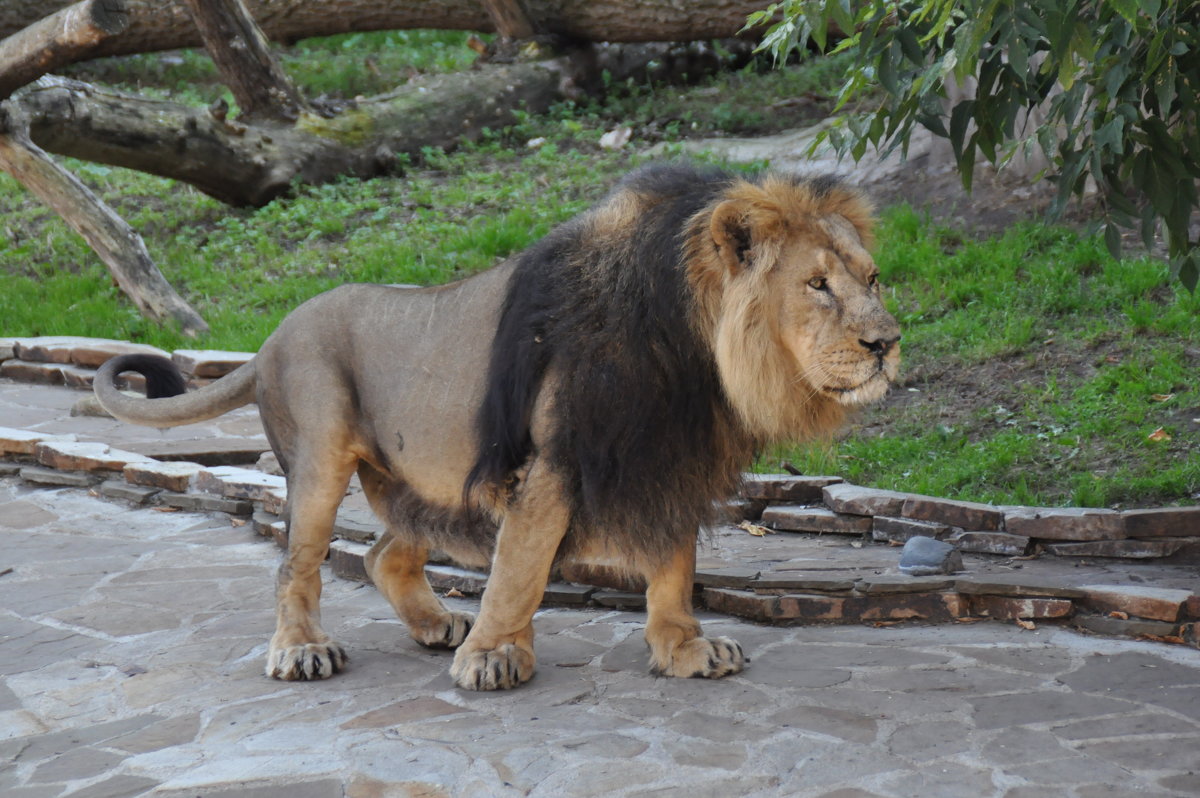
[1037,369]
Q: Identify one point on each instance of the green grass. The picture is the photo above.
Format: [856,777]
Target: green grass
[1035,366]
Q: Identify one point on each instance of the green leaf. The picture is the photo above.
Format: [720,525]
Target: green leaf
[1189,272]
[1111,135]
[1127,9]
[1112,240]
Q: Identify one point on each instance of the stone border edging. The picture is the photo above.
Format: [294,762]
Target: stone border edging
[819,505]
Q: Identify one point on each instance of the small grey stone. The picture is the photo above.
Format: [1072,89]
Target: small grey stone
[922,556]
[207,503]
[120,489]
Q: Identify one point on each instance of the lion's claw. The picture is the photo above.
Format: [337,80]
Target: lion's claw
[448,634]
[704,658]
[306,662]
[500,668]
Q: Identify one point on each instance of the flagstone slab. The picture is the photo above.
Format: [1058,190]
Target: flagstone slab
[1065,523]
[172,476]
[1163,522]
[83,456]
[209,362]
[1155,603]
[239,483]
[19,441]
[785,487]
[856,500]
[971,516]
[814,519]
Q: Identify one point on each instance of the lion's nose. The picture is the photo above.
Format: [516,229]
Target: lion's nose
[879,346]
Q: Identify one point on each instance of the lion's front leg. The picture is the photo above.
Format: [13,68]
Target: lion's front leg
[498,653]
[677,647]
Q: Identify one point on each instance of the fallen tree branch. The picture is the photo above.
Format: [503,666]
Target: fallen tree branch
[260,160]
[117,244]
[65,37]
[166,24]
[243,57]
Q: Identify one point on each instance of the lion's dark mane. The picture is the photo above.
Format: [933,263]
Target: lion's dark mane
[643,433]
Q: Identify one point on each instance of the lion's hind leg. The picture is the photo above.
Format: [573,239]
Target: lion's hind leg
[677,647]
[397,567]
[300,649]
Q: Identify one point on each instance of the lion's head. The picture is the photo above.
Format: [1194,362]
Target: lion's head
[791,301]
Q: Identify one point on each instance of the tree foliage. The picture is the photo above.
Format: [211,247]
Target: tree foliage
[1116,82]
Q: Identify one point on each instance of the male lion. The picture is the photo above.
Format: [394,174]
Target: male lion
[588,399]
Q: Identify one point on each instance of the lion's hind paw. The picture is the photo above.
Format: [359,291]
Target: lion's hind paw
[501,668]
[449,633]
[306,662]
[704,658]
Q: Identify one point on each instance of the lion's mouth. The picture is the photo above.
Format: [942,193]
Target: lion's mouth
[869,390]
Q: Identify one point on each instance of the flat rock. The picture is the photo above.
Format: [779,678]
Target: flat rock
[990,543]
[19,441]
[815,519]
[51,476]
[209,362]
[885,607]
[271,526]
[56,348]
[40,373]
[204,502]
[565,593]
[903,584]
[725,577]
[93,354]
[1155,603]
[344,528]
[1164,522]
[174,476]
[83,456]
[208,452]
[792,582]
[741,603]
[1065,523]
[346,559]
[239,483]
[856,500]
[1015,586]
[1123,627]
[1127,549]
[967,515]
[1010,609]
[785,487]
[7,350]
[899,530]
[81,379]
[120,489]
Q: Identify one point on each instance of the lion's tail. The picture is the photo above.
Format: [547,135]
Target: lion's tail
[166,404]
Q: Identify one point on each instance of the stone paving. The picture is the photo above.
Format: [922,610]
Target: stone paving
[132,636]
[131,647]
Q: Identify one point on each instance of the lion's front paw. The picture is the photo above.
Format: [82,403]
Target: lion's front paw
[448,633]
[500,668]
[703,657]
[305,662]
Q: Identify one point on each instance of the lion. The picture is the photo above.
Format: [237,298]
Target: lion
[589,399]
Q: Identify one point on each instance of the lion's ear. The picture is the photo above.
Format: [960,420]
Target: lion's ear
[730,230]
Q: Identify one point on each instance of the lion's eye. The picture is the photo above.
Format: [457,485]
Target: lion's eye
[819,283]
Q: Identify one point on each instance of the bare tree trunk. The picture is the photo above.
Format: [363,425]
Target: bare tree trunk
[121,249]
[166,24]
[65,37]
[243,57]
